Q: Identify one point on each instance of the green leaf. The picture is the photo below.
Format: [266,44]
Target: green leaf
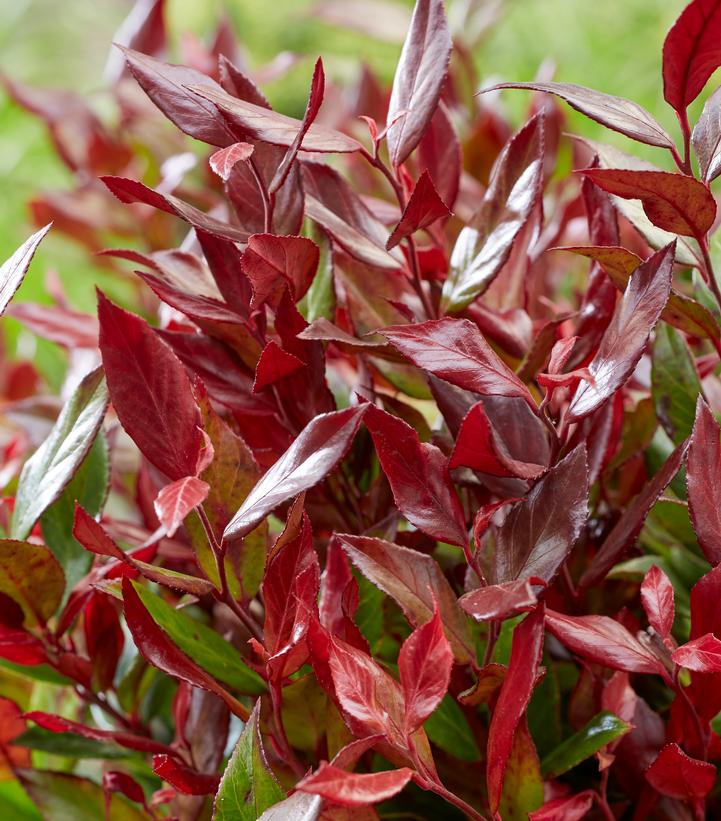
[89,488]
[603,728]
[369,616]
[522,781]
[204,645]
[15,803]
[63,797]
[69,745]
[448,729]
[674,383]
[32,577]
[49,470]
[37,672]
[320,299]
[248,786]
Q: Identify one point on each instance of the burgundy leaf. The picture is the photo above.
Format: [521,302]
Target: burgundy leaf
[513,699]
[603,641]
[455,350]
[354,789]
[177,499]
[707,138]
[439,153]
[658,600]
[184,778]
[424,663]
[150,391]
[674,774]
[415,581]
[499,601]
[615,113]
[157,649]
[235,82]
[274,364]
[424,207]
[312,456]
[14,269]
[702,477]
[418,475]
[479,447]
[673,202]
[626,336]
[691,53]
[419,78]
[273,263]
[223,161]
[703,655]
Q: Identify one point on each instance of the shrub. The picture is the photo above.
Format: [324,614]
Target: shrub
[397,508]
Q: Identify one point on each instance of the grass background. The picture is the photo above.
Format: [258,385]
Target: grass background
[613,45]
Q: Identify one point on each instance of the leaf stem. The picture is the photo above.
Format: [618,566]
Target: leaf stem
[685,164]
[708,268]
[267,202]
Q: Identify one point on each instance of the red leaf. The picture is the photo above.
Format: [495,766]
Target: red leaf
[478,447]
[691,52]
[176,500]
[455,350]
[615,113]
[13,270]
[703,655]
[565,809]
[424,663]
[419,78]
[273,263]
[274,364]
[658,600]
[418,475]
[499,601]
[513,699]
[114,781]
[157,649]
[104,639]
[674,774]
[674,202]
[604,641]
[150,391]
[424,207]
[183,778]
[439,153]
[354,789]
[626,336]
[312,456]
[222,161]
[703,467]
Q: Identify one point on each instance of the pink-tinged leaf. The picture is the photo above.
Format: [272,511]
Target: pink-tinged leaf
[702,655]
[424,664]
[354,789]
[604,641]
[130,191]
[274,364]
[424,207]
[658,600]
[157,649]
[485,244]
[565,809]
[418,475]
[626,337]
[259,123]
[691,52]
[312,456]
[703,468]
[340,597]
[419,78]
[499,601]
[478,447]
[455,350]
[541,529]
[513,699]
[616,113]
[177,499]
[315,99]
[707,138]
[675,774]
[14,269]
[223,161]
[273,263]
[673,202]
[416,582]
[629,525]
[143,29]
[150,391]
[185,779]
[65,327]
[168,87]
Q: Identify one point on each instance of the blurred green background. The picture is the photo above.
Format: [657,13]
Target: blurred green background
[613,45]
